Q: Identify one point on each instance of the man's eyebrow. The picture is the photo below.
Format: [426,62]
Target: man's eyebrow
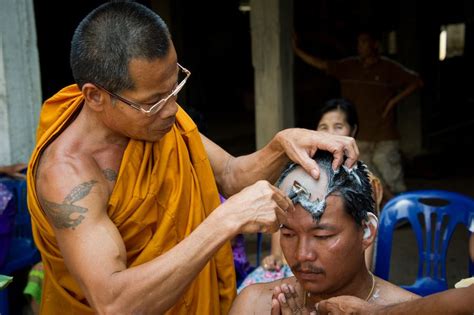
[326,227]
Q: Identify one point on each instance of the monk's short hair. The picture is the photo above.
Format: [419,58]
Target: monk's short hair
[352,185]
[109,37]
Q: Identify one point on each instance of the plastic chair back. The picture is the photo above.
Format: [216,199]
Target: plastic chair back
[433,215]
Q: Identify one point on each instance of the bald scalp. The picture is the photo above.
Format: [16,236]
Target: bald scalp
[352,185]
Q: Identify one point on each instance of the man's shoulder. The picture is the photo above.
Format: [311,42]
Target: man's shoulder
[387,62]
[264,288]
[61,167]
[257,297]
[390,293]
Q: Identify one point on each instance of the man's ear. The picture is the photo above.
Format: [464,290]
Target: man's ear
[370,227]
[94,97]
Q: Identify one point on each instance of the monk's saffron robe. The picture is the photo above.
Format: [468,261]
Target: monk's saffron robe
[163,191]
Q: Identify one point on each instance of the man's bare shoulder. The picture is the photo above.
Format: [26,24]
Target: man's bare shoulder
[257,298]
[388,293]
[67,158]
[57,166]
[64,184]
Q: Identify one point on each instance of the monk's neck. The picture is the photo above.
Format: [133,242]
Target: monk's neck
[92,129]
[361,286]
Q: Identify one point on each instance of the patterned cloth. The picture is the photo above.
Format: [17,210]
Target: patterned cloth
[241,262]
[260,275]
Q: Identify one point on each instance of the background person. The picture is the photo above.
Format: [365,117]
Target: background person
[375,85]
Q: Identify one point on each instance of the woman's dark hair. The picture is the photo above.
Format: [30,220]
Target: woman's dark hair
[343,105]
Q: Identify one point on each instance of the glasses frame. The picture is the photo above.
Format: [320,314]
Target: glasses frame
[155,108]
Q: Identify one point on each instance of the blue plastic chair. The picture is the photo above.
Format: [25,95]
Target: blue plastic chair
[23,252]
[447,210]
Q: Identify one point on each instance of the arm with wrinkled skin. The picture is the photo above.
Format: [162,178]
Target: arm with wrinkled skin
[299,145]
[454,301]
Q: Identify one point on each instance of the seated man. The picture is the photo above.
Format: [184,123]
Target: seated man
[323,241]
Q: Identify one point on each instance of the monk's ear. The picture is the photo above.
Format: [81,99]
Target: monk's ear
[95,97]
[370,227]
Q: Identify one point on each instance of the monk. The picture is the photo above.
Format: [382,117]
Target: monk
[123,190]
[323,241]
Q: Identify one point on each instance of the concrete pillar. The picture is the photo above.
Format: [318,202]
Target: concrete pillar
[271,23]
[20,85]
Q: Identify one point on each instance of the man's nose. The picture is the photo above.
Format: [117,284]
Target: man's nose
[169,109]
[304,251]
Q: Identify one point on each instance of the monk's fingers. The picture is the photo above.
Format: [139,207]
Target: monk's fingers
[344,150]
[351,153]
[282,200]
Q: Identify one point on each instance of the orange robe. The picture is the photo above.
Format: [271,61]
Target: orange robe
[163,191]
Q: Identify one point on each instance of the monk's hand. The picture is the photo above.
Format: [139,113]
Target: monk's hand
[301,144]
[345,304]
[286,301]
[260,207]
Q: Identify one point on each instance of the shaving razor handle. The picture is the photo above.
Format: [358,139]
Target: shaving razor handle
[292,195]
[296,190]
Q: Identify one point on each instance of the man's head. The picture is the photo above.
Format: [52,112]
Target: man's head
[339,117]
[368,43]
[109,37]
[124,61]
[324,239]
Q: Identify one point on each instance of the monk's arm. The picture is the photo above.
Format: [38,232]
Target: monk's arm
[299,145]
[75,202]
[454,301]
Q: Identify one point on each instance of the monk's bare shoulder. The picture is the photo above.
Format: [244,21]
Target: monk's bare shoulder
[65,185]
[388,293]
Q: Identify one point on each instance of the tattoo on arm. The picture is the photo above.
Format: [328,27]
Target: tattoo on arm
[110,174]
[66,214]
